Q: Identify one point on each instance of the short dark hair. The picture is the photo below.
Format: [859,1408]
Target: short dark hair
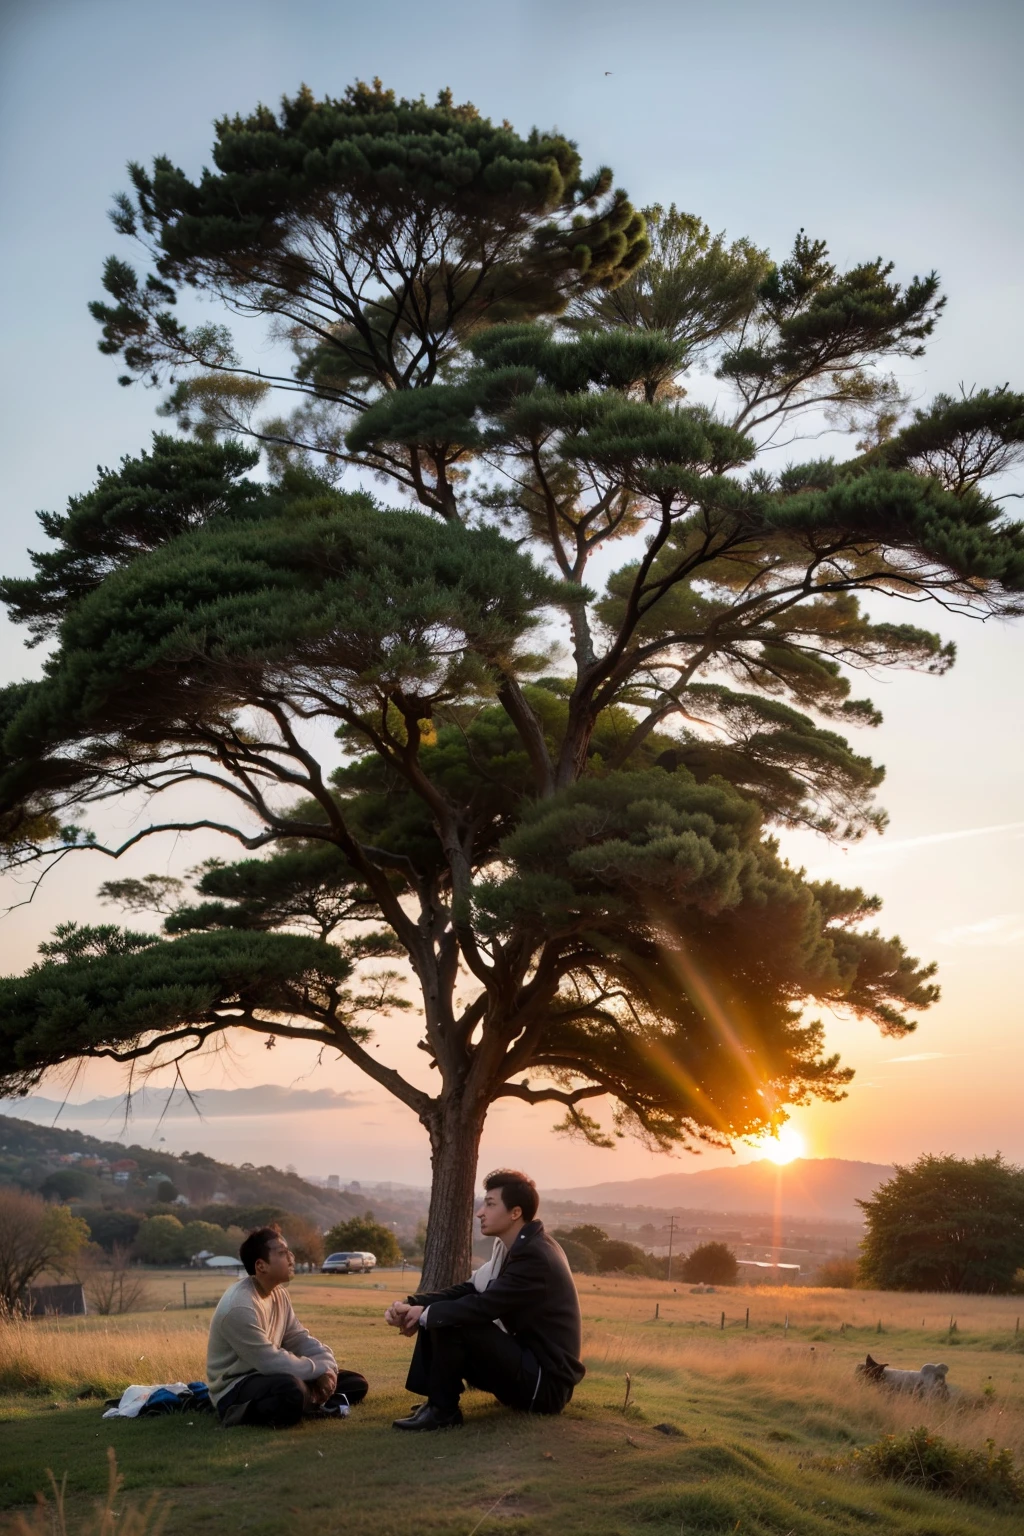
[516,1189]
[256,1245]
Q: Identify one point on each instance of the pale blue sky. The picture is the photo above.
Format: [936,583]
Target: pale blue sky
[888,128]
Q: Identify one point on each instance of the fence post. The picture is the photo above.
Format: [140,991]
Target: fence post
[746,1321]
[785,1330]
[722,1323]
[657,1310]
[184,1294]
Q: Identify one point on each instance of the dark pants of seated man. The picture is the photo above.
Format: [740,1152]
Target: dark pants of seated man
[486,1357]
[278,1402]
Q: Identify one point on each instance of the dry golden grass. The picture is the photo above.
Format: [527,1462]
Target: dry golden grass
[71,1355]
[806,1306]
[811,1364]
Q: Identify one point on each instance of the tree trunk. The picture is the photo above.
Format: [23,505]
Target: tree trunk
[454,1147]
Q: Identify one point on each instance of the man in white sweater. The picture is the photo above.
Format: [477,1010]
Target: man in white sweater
[262,1366]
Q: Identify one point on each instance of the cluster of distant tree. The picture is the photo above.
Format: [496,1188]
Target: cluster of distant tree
[590,1251]
[105,1248]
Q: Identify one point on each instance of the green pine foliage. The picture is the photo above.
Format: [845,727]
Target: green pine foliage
[432,732]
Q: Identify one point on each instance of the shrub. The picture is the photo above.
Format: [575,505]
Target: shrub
[920,1459]
[711,1264]
[66,1184]
[590,1236]
[616,1255]
[364,1234]
[582,1260]
[840,1274]
[161,1240]
[199,1236]
[110,1228]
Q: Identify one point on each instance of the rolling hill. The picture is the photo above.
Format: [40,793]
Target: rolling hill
[825,1188]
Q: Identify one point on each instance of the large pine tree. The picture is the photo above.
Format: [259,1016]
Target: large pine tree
[549,793]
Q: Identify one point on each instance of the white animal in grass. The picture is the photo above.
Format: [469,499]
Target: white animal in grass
[930,1380]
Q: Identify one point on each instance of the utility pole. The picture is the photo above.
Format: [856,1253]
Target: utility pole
[671,1234]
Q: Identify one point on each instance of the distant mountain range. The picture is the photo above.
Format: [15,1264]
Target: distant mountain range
[825,1187]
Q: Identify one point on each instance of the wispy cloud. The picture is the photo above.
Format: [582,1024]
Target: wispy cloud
[213,1104]
[991,932]
[918,1056]
[880,851]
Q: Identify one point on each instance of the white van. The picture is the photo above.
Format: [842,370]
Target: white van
[348,1263]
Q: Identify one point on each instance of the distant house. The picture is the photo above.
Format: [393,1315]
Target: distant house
[56,1301]
[122,1170]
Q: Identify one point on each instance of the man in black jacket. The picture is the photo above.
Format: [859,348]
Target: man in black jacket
[513,1329]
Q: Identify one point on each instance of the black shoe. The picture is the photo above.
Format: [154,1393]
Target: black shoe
[427,1417]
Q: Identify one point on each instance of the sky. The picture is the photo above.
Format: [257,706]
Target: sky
[888,128]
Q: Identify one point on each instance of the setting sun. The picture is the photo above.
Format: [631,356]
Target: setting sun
[783,1148]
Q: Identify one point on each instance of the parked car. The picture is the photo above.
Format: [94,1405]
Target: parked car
[348,1263]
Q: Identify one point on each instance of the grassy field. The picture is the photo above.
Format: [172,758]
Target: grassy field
[746,1429]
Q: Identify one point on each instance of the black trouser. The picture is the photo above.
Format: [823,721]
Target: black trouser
[446,1359]
[278,1402]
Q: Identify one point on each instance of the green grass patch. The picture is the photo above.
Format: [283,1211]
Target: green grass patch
[765,1426]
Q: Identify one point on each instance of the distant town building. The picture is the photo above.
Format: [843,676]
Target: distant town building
[762,1269]
[333,1181]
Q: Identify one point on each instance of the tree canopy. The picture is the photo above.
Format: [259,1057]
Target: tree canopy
[711,1264]
[946,1224]
[364,1234]
[34,1237]
[540,774]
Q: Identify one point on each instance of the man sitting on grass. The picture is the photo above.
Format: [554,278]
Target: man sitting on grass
[513,1329]
[262,1366]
